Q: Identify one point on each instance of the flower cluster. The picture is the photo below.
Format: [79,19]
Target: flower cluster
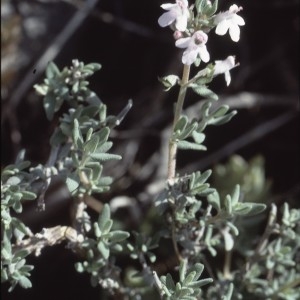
[193,37]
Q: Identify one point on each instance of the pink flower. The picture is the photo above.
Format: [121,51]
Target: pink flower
[177,12]
[194,45]
[229,20]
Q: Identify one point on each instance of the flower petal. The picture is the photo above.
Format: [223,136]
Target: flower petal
[221,66]
[183,42]
[189,56]
[204,54]
[234,31]
[168,6]
[234,8]
[166,19]
[181,23]
[222,27]
[227,77]
[238,20]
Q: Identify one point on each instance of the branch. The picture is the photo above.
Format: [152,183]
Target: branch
[49,237]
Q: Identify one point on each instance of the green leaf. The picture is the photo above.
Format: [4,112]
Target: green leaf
[89,134]
[6,255]
[91,145]
[103,249]
[20,227]
[104,147]
[198,268]
[233,228]
[118,236]
[102,112]
[214,200]
[104,216]
[204,91]
[91,111]
[75,87]
[229,292]
[198,137]
[222,120]
[52,70]
[199,189]
[105,181]
[4,275]
[242,209]
[92,66]
[72,183]
[41,89]
[220,111]
[187,131]
[151,256]
[26,195]
[25,282]
[49,106]
[14,180]
[105,156]
[97,230]
[200,5]
[169,81]
[235,195]
[107,226]
[189,278]
[256,208]
[202,282]
[185,291]
[17,206]
[103,135]
[96,170]
[203,177]
[79,267]
[212,10]
[228,204]
[182,269]
[181,124]
[185,145]
[77,137]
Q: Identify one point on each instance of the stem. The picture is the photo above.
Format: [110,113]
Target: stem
[177,252]
[173,147]
[227,265]
[178,110]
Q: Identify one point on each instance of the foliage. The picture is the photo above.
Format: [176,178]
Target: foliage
[203,217]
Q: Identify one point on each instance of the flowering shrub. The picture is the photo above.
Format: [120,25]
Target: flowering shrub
[194,218]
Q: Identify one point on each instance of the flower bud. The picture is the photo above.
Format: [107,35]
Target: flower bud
[177,34]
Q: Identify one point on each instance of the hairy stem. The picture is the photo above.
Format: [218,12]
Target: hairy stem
[173,147]
[227,265]
[178,111]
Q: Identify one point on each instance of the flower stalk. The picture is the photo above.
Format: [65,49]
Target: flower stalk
[178,111]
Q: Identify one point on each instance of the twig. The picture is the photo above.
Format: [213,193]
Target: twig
[49,237]
[227,265]
[178,111]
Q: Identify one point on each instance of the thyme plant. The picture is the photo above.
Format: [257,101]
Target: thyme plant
[199,223]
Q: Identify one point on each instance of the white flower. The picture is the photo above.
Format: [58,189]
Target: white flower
[229,20]
[194,45]
[177,12]
[224,66]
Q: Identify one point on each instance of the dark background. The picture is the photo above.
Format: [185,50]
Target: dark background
[124,37]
